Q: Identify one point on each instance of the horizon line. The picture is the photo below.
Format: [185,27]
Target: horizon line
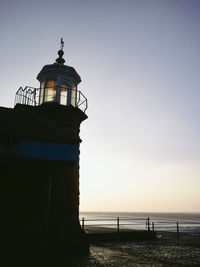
[139,211]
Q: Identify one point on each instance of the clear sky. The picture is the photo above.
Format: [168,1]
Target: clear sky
[139,62]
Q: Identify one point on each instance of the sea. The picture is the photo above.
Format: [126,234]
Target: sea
[162,222]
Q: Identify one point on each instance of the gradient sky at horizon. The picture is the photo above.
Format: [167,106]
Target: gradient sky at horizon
[139,62]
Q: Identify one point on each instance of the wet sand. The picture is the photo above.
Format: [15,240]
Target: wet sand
[167,250]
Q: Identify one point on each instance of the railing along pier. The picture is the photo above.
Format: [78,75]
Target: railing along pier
[120,224]
[116,223]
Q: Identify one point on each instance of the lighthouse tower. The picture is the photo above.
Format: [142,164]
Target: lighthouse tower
[39,160]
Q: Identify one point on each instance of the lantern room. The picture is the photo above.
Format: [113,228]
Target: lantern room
[58,82]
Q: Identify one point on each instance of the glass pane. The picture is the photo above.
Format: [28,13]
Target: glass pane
[73,100]
[50,92]
[41,93]
[63,95]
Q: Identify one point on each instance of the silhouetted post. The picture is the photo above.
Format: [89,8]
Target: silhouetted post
[148,224]
[153,226]
[177,230]
[83,222]
[118,224]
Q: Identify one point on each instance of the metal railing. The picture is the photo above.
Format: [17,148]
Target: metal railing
[186,227]
[27,96]
[31,96]
[117,223]
[159,226]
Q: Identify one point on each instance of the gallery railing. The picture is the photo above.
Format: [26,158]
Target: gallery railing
[31,96]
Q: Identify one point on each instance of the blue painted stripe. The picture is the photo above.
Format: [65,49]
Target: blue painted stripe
[41,150]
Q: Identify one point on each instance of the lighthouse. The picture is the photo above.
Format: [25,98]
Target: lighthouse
[39,160]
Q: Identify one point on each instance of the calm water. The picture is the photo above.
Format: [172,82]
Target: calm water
[188,222]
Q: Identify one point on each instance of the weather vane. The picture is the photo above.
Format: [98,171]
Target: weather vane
[61,44]
[61,60]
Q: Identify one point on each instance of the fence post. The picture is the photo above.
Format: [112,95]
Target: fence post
[83,222]
[153,226]
[148,224]
[118,224]
[177,230]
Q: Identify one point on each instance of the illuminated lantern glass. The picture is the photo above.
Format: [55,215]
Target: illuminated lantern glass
[50,91]
[41,92]
[63,94]
[73,96]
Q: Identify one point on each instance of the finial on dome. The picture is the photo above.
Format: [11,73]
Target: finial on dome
[61,60]
[61,44]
